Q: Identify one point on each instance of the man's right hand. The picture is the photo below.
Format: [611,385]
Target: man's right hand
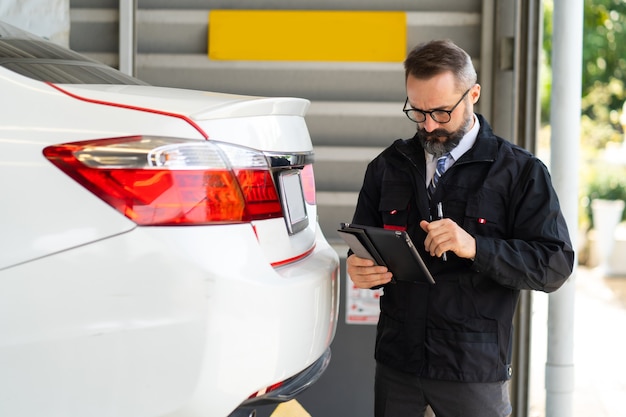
[364,273]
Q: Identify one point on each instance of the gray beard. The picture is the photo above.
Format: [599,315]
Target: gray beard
[432,144]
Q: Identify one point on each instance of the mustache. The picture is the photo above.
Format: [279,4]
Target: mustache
[441,133]
[439,141]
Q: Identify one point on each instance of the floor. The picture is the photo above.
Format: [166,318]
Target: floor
[599,347]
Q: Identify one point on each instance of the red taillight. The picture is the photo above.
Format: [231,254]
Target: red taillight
[260,194]
[165,181]
[308,184]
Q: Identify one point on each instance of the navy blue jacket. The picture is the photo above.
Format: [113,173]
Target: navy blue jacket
[460,328]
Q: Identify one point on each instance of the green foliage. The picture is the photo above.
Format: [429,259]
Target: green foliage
[545,86]
[604,45]
[545,70]
[602,183]
[603,108]
[604,59]
[548,11]
[600,124]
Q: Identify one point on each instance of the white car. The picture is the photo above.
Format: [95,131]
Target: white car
[160,253]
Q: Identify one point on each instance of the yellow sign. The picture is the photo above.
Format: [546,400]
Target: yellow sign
[290,35]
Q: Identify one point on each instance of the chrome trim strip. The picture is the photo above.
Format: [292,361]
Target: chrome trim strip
[284,160]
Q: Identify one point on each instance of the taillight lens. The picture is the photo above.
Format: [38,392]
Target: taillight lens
[308,184]
[167,181]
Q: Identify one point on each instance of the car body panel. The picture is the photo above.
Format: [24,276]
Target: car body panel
[145,319]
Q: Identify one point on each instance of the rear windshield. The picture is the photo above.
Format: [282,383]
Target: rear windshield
[46,61]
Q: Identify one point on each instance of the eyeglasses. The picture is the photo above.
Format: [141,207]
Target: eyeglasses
[439,116]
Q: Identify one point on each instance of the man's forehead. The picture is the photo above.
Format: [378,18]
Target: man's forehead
[428,99]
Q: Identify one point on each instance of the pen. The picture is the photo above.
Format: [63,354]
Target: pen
[440,215]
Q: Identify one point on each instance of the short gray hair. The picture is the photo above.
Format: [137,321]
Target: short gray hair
[436,57]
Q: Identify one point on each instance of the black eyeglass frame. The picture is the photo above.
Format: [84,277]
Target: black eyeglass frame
[439,112]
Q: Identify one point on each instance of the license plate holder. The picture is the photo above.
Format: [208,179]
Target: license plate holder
[292,198]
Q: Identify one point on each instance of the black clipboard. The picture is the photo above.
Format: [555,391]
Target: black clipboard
[361,245]
[391,248]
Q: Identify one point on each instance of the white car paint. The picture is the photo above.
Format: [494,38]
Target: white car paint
[100,316]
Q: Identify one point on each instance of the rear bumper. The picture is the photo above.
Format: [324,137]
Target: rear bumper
[161,321]
[291,387]
[269,323]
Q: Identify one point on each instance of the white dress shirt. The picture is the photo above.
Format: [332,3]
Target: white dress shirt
[464,145]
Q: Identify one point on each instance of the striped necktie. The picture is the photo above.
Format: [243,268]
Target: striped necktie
[439,170]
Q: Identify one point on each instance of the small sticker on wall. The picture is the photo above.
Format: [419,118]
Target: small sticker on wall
[362,305]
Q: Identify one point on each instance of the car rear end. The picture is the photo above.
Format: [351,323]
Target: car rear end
[161,253]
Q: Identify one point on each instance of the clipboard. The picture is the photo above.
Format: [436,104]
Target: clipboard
[361,245]
[391,248]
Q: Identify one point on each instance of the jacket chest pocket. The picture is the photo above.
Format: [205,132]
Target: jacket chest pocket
[486,215]
[394,205]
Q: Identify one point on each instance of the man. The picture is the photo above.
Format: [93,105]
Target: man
[490,227]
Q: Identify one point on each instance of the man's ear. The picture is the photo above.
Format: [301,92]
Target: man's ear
[475,93]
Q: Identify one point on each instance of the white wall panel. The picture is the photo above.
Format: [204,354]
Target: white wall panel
[47,18]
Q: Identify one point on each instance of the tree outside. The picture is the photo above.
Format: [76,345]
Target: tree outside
[603,110]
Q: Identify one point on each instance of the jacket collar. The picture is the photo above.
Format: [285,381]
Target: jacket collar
[486,146]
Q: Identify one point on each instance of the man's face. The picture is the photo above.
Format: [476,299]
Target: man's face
[440,141]
[440,93]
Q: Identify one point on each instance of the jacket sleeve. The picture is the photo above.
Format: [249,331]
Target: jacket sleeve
[538,255]
[366,212]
